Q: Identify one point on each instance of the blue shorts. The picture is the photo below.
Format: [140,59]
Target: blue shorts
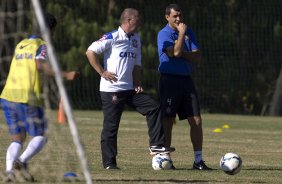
[22,117]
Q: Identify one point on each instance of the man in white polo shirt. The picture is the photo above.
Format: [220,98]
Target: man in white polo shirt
[120,84]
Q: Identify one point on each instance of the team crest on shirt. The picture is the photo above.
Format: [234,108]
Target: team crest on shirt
[134,43]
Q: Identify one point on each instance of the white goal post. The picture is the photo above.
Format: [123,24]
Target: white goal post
[66,105]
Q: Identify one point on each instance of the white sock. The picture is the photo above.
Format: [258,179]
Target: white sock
[198,156]
[13,153]
[34,146]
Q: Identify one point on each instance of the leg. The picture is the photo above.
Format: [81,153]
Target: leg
[34,146]
[14,149]
[35,125]
[168,125]
[171,98]
[148,107]
[191,109]
[112,105]
[12,155]
[14,116]
[196,132]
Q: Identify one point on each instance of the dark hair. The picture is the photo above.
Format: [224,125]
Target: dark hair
[175,7]
[50,20]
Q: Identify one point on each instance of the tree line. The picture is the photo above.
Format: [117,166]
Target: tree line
[240,43]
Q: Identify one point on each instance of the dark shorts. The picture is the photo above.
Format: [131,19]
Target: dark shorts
[23,117]
[178,96]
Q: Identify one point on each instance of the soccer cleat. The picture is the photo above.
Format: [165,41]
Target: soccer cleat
[201,166]
[111,167]
[23,169]
[9,176]
[160,149]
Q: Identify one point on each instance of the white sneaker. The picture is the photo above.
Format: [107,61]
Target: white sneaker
[160,149]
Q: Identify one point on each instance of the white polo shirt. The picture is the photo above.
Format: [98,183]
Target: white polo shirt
[121,54]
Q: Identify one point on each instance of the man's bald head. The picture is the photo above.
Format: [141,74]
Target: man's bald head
[128,13]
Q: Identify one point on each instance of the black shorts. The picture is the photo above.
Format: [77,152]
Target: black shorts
[178,96]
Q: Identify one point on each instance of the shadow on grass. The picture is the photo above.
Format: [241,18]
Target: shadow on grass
[263,169]
[185,169]
[246,169]
[158,181]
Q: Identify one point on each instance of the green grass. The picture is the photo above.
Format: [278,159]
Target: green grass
[258,140]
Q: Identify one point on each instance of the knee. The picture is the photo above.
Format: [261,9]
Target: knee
[198,120]
[20,138]
[195,121]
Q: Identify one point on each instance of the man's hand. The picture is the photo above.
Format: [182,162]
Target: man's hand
[138,89]
[178,47]
[181,27]
[109,76]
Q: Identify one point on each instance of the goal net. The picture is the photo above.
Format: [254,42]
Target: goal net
[16,33]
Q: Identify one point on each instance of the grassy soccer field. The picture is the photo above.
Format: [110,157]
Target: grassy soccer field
[258,140]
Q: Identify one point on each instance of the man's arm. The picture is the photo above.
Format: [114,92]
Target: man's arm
[46,68]
[177,48]
[173,51]
[94,62]
[194,56]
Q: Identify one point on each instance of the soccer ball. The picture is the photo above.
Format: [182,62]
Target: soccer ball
[161,162]
[231,163]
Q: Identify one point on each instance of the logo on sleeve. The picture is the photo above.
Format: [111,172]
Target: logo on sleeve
[105,37]
[102,38]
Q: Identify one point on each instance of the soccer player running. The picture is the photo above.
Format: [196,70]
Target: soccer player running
[22,102]
[120,85]
[178,51]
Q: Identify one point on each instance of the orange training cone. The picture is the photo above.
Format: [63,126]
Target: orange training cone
[61,118]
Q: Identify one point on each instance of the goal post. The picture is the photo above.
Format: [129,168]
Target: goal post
[66,105]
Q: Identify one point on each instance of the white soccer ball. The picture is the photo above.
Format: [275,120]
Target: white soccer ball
[231,163]
[161,162]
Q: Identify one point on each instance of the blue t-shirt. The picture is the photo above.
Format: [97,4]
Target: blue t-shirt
[172,65]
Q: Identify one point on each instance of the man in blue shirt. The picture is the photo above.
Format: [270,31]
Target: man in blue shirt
[178,51]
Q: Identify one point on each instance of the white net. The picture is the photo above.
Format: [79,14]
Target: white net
[13,24]
[53,59]
[11,31]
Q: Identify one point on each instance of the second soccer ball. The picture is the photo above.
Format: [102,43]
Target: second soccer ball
[231,163]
